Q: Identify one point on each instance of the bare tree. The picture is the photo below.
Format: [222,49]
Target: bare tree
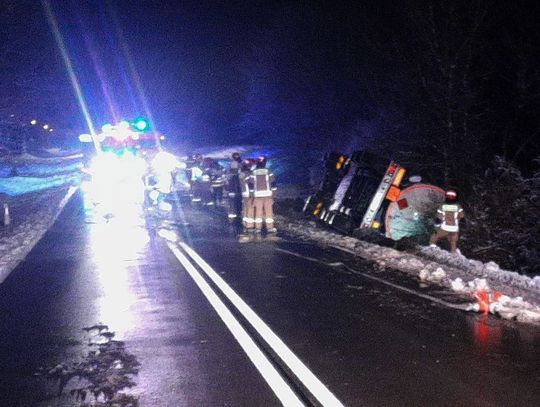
[445,61]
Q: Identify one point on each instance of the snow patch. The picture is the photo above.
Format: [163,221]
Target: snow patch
[434,265]
[15,245]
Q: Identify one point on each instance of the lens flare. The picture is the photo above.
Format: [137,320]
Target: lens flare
[53,23]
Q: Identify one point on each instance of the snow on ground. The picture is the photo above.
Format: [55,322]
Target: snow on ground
[32,202]
[14,186]
[31,214]
[32,166]
[519,295]
[36,201]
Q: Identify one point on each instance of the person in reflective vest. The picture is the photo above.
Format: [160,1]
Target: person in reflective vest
[263,184]
[195,177]
[248,207]
[217,182]
[234,190]
[449,215]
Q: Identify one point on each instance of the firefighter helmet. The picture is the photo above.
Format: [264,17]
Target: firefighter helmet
[261,161]
[451,194]
[246,165]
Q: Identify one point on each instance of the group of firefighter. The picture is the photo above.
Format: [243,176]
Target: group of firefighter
[247,184]
[250,188]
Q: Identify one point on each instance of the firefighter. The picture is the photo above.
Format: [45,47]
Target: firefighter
[248,206]
[449,214]
[233,187]
[217,182]
[205,182]
[195,178]
[262,181]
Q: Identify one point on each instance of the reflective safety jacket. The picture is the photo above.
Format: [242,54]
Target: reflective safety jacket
[244,184]
[233,180]
[196,173]
[449,214]
[262,182]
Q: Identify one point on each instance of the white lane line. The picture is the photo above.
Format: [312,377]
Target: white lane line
[281,388]
[310,381]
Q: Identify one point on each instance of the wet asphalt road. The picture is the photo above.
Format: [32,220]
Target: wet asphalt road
[367,343]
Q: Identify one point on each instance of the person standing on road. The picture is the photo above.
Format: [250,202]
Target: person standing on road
[234,189]
[248,206]
[263,183]
[217,182]
[449,215]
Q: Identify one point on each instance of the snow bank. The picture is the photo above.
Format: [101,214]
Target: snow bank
[18,241]
[14,186]
[34,202]
[521,294]
[57,157]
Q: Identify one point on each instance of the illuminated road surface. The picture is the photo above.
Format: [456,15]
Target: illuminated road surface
[216,322]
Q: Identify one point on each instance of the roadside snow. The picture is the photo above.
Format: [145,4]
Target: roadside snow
[57,157]
[520,299]
[22,185]
[33,202]
[40,212]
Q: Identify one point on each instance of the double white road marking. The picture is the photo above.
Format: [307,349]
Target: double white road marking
[277,383]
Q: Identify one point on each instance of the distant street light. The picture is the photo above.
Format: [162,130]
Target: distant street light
[33,122]
[45,127]
[50,130]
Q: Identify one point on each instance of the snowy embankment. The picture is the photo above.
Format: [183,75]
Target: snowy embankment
[33,202]
[38,213]
[491,289]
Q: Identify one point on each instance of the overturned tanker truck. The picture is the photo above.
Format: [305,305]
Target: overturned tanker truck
[361,192]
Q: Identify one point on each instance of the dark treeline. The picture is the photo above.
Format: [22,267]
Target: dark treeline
[445,84]
[449,88]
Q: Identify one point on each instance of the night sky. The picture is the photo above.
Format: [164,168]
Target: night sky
[188,54]
[306,73]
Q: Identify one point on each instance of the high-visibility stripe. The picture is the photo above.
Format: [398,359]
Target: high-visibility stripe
[269,220]
[262,194]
